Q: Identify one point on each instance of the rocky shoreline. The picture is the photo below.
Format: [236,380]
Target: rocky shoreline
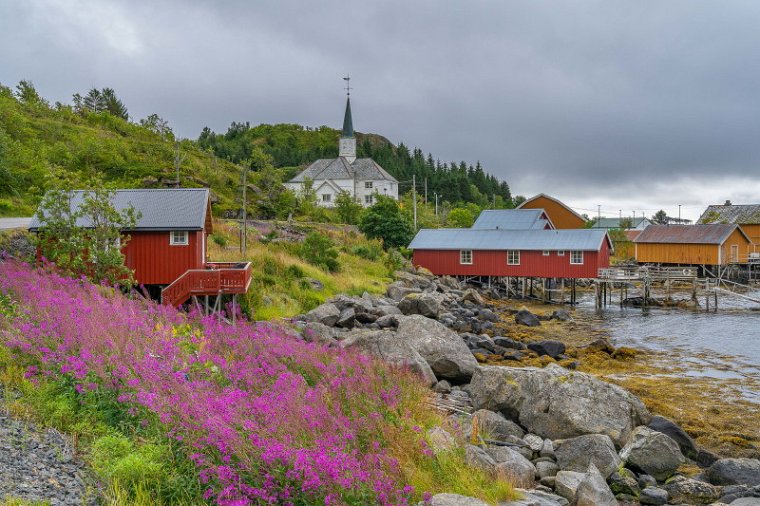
[562,436]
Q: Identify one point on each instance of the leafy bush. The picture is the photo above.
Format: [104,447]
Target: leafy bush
[219,240]
[370,251]
[385,221]
[319,250]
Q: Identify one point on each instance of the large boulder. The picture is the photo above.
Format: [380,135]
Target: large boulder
[326,314]
[455,500]
[442,348]
[478,458]
[676,433]
[513,467]
[347,318]
[315,332]
[593,490]
[548,347]
[734,472]
[682,490]
[471,295]
[652,452]
[440,440]
[576,454]
[654,496]
[556,403]
[391,348]
[493,425]
[525,317]
[566,483]
[425,304]
[535,498]
[398,290]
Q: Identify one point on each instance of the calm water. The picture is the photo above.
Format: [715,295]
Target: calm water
[723,344]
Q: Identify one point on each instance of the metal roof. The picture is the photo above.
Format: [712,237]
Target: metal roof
[686,234]
[160,209]
[740,214]
[525,240]
[348,124]
[553,200]
[512,219]
[365,169]
[13,223]
[615,222]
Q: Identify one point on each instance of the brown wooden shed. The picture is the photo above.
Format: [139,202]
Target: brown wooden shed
[559,213]
[716,244]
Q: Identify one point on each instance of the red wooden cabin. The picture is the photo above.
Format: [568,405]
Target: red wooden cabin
[167,249]
[569,254]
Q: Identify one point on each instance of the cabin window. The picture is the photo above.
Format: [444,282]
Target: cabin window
[513,257]
[368,185]
[178,238]
[560,253]
[576,257]
[465,256]
[326,197]
[368,199]
[546,253]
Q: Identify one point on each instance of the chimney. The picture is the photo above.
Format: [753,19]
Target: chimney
[728,203]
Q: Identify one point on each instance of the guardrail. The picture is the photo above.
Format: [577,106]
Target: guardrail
[217,279]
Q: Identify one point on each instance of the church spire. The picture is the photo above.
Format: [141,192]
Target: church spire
[347,143]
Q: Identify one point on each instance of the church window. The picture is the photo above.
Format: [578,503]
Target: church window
[368,199]
[368,185]
[326,197]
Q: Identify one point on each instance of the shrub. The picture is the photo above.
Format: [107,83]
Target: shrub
[319,250]
[370,251]
[219,240]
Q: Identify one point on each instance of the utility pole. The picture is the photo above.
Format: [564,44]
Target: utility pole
[177,161]
[494,201]
[244,224]
[436,203]
[598,213]
[426,199]
[414,200]
[679,213]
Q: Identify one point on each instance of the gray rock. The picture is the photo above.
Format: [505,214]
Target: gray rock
[487,315]
[443,350]
[561,315]
[734,472]
[547,450]
[646,481]
[566,483]
[326,314]
[536,498]
[690,491]
[346,318]
[576,454]
[525,317]
[593,490]
[442,387]
[676,433]
[652,452]
[546,468]
[315,332]
[548,347]
[425,304]
[506,342]
[387,321]
[478,458]
[746,501]
[556,403]
[455,500]
[494,426]
[391,348]
[473,296]
[600,345]
[398,290]
[706,458]
[623,481]
[515,468]
[653,495]
[440,440]
[534,442]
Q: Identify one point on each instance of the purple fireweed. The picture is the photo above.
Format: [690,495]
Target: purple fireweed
[265,417]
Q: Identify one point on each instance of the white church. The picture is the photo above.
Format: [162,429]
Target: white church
[362,178]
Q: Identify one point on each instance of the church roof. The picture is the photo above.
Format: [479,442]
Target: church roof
[365,169]
[348,123]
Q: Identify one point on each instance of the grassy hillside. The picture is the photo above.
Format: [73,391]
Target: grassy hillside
[38,140]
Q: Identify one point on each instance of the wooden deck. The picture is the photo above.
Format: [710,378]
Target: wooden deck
[218,278]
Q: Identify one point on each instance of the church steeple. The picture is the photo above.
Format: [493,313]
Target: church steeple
[347,143]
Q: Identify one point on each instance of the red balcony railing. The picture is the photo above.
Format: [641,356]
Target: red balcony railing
[218,278]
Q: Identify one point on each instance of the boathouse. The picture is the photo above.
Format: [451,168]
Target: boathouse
[513,219]
[566,254]
[746,216]
[561,215]
[706,245]
[168,247]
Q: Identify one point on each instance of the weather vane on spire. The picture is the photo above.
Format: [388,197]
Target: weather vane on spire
[348,85]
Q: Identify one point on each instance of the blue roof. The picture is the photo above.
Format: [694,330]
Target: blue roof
[512,219]
[524,240]
[159,209]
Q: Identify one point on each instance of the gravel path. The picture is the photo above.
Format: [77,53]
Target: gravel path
[39,465]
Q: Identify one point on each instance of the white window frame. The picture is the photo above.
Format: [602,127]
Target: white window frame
[326,197]
[546,253]
[368,185]
[465,256]
[561,253]
[574,258]
[183,240]
[511,254]
[369,199]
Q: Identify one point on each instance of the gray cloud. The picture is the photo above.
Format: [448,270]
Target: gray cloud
[579,99]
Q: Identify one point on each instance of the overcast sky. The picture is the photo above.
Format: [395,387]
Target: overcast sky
[631,105]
